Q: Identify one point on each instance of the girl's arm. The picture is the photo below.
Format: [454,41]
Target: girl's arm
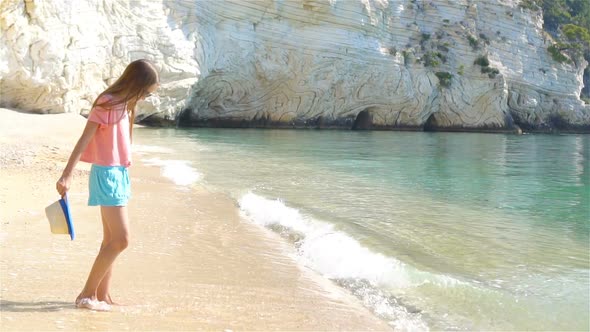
[63,184]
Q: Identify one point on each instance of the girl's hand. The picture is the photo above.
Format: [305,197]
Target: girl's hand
[63,185]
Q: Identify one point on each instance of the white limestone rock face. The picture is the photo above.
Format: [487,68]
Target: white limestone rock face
[321,63]
[542,93]
[57,56]
[298,63]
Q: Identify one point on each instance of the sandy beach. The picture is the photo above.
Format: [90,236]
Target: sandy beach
[193,263]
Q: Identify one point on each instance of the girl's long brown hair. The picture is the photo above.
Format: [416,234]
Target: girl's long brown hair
[130,87]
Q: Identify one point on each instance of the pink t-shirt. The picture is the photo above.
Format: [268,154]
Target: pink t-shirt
[111,145]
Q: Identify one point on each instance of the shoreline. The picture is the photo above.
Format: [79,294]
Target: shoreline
[574,130]
[193,263]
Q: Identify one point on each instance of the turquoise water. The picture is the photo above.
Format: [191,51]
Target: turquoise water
[430,230]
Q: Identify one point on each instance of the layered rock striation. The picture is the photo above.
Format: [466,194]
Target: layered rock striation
[57,56]
[461,65]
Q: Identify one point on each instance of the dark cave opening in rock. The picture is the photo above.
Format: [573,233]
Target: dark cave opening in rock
[183,118]
[430,124]
[363,121]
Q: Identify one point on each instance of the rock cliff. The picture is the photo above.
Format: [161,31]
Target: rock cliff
[365,64]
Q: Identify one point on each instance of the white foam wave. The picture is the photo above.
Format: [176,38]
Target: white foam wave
[179,171]
[334,253]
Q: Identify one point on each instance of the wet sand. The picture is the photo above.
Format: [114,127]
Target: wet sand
[192,263]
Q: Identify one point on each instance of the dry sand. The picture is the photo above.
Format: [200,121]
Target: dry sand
[192,264]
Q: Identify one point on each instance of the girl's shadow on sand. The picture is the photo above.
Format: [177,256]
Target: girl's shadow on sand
[43,306]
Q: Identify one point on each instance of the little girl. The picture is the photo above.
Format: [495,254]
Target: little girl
[106,144]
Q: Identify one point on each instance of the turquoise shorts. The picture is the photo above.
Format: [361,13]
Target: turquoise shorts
[109,186]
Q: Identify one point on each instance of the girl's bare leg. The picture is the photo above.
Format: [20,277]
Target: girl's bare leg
[118,224]
[103,291]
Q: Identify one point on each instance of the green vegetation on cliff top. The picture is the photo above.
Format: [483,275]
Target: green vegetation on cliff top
[568,21]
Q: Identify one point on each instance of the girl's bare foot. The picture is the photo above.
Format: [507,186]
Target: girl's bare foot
[105,298]
[108,299]
[80,297]
[92,304]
